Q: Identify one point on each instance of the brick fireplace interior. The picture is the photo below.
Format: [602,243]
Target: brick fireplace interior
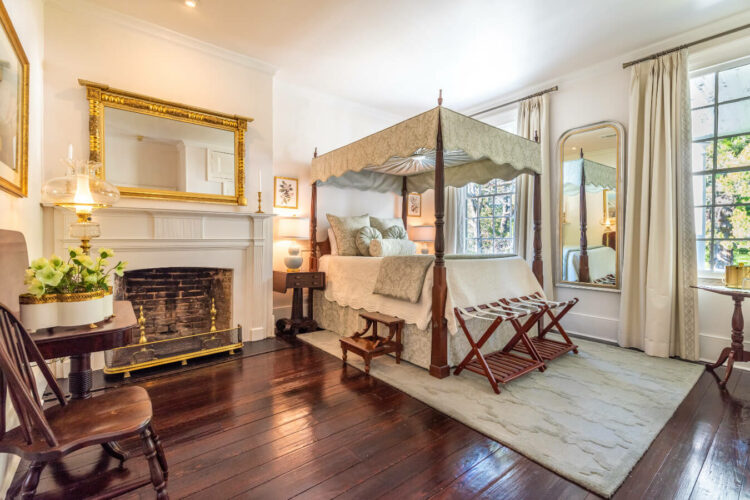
[177,300]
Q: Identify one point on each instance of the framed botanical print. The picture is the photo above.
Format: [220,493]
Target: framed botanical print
[414,205]
[285,193]
[14,119]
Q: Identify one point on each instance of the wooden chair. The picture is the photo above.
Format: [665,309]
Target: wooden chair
[45,436]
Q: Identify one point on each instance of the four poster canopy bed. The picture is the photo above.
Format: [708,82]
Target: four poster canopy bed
[583,263]
[433,150]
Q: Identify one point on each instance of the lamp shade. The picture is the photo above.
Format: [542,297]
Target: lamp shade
[80,189]
[294,228]
[422,233]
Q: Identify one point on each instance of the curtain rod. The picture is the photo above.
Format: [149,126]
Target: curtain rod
[537,94]
[686,45]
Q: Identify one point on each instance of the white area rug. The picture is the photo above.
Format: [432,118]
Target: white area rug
[590,417]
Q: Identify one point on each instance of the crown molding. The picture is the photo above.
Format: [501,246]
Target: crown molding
[85,8]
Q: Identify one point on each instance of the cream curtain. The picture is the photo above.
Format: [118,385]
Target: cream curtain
[455,220]
[533,116]
[658,310]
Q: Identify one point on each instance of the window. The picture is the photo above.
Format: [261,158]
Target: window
[720,102]
[491,217]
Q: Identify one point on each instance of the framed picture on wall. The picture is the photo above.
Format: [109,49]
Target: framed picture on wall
[414,205]
[14,118]
[285,193]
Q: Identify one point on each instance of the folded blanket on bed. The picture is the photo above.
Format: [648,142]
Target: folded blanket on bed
[402,277]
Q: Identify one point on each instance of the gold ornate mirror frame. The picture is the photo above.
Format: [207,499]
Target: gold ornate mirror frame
[619,135]
[20,188]
[100,95]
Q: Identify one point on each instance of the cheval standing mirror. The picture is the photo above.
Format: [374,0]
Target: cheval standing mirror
[590,205]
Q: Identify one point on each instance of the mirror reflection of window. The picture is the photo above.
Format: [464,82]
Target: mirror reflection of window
[588,225]
[149,152]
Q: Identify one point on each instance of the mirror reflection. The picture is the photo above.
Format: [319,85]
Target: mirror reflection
[589,205]
[155,153]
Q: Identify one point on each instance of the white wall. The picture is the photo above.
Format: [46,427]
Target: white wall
[303,120]
[25,214]
[92,43]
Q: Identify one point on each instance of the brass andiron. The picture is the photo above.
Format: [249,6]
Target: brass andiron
[260,210]
[213,316]
[142,327]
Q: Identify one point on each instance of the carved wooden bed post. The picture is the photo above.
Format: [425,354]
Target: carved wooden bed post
[404,201]
[537,265]
[314,223]
[439,357]
[583,264]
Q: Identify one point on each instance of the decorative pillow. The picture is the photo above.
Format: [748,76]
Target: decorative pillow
[389,247]
[396,233]
[364,236]
[383,224]
[345,232]
[332,242]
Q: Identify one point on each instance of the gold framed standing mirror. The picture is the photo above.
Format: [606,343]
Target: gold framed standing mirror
[151,148]
[14,120]
[590,226]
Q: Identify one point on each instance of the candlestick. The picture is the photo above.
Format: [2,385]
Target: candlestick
[70,153]
[260,211]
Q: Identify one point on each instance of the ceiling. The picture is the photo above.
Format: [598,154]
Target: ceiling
[395,54]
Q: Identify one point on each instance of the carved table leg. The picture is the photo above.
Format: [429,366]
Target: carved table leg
[736,352]
[722,359]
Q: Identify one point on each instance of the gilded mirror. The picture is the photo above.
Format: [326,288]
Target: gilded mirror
[590,205]
[150,148]
[14,112]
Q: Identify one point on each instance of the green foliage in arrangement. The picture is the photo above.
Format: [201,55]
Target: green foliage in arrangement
[80,273]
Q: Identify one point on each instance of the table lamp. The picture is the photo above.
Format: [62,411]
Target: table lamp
[422,234]
[294,228]
[81,191]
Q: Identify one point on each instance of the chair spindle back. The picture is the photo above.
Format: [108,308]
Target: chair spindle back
[17,352]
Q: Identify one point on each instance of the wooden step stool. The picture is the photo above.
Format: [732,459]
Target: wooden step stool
[372,346]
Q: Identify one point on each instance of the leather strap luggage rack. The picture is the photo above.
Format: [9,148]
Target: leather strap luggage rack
[549,349]
[503,365]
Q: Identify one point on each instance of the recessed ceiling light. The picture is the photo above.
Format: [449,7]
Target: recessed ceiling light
[191,3]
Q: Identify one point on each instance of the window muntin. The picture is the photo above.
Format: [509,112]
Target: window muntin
[491,217]
[720,102]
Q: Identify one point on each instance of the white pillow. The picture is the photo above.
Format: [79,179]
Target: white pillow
[391,247]
[332,241]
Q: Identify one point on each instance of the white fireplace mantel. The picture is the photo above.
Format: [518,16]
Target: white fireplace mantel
[165,237]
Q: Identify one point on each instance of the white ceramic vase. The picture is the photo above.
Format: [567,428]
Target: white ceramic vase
[73,309]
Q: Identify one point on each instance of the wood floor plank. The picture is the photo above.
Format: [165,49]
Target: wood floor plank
[725,468]
[294,423]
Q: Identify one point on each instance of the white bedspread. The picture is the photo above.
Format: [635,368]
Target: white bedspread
[350,282]
[602,261]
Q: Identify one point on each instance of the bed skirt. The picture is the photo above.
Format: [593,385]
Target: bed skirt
[417,343]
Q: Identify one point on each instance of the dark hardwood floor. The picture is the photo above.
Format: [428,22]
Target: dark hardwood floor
[293,423]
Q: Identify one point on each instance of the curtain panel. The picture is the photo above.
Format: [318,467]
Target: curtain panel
[658,309]
[533,116]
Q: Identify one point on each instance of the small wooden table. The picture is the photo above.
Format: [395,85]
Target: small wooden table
[736,352]
[79,342]
[282,281]
[373,345]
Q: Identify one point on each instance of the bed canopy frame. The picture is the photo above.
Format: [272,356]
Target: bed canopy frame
[433,150]
[586,176]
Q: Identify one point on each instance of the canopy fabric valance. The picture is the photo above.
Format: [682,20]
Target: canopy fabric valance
[473,152]
[598,176]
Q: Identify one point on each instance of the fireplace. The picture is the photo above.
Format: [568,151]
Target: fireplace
[184,312]
[176,301]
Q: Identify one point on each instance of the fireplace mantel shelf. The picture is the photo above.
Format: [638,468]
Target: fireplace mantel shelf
[181,211]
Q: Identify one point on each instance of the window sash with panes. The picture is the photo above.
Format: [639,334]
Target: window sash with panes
[491,217]
[720,102]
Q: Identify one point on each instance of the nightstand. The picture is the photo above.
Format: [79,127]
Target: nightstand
[282,281]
